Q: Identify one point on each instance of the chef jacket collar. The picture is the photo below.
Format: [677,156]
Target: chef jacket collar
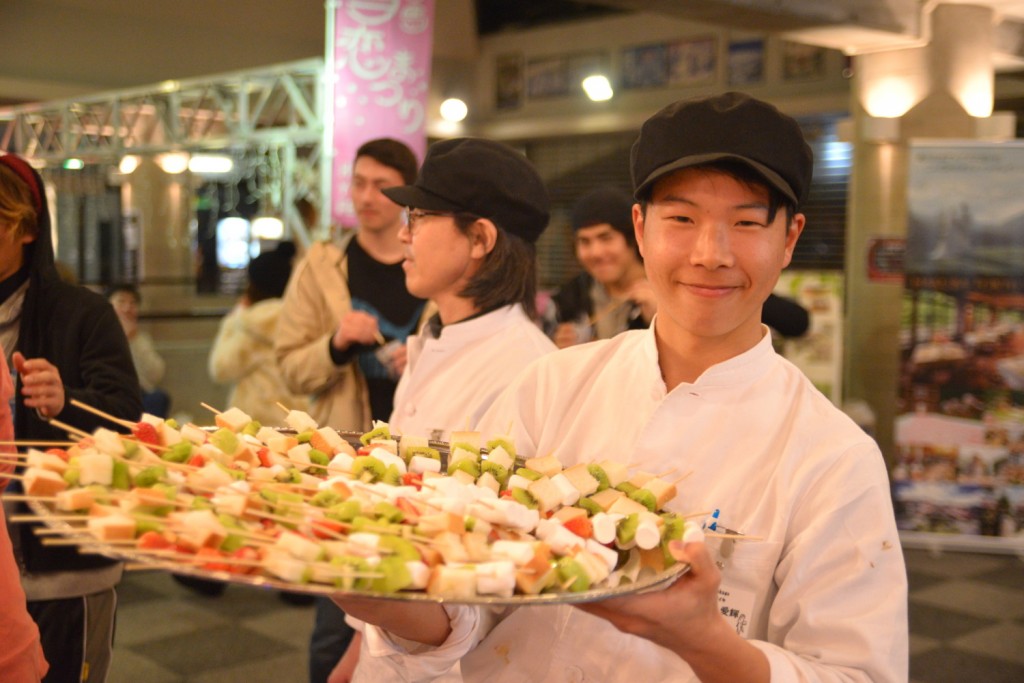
[434,324]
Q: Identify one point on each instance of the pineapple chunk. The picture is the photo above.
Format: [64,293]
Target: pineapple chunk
[583,480]
[549,465]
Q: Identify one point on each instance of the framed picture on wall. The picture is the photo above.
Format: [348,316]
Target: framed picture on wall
[746,61]
[693,61]
[802,62]
[547,77]
[645,66]
[508,81]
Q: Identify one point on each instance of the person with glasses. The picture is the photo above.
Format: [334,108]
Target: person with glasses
[341,300]
[474,216]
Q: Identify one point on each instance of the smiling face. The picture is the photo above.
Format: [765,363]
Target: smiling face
[712,258]
[376,213]
[604,253]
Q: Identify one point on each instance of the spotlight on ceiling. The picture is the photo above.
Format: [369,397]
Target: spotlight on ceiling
[598,88]
[453,109]
[173,162]
[129,162]
[211,164]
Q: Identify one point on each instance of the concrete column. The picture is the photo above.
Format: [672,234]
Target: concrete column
[932,91]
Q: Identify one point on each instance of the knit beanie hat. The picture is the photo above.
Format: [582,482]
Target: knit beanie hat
[604,205]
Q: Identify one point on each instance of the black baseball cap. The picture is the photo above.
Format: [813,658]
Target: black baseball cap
[483,178]
[732,125]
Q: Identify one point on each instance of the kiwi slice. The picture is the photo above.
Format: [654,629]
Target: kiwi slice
[626,531]
[645,498]
[597,472]
[367,468]
[524,497]
[527,473]
[568,570]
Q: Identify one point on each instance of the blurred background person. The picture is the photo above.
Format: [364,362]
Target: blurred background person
[149,365]
[611,294]
[65,343]
[243,351]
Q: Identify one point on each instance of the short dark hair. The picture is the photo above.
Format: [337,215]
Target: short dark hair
[746,175]
[392,153]
[125,287]
[508,274]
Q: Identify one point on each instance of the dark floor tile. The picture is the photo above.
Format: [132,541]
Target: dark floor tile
[238,602]
[941,624]
[949,665]
[917,580]
[130,591]
[212,648]
[1010,576]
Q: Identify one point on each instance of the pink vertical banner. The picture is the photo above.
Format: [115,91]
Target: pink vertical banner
[382,52]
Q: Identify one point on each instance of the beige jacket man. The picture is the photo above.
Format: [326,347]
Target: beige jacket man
[316,299]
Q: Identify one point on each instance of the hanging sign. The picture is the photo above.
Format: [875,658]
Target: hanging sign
[381,54]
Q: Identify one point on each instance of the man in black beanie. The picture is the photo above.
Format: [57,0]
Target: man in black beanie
[611,294]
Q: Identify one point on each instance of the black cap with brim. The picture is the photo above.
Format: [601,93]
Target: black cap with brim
[483,178]
[417,198]
[731,126]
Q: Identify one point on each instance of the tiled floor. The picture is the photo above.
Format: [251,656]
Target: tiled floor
[966,622]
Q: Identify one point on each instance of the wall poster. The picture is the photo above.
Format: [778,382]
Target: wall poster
[959,432]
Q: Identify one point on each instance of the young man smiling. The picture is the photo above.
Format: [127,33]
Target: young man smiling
[817,590]
[612,293]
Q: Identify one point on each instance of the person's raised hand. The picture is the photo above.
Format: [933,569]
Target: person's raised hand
[355,327]
[41,384]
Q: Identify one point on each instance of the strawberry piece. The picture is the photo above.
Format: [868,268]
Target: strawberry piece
[264,455]
[581,526]
[153,540]
[413,479]
[59,452]
[326,528]
[146,433]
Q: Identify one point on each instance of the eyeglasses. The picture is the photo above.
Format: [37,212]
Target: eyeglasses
[414,216]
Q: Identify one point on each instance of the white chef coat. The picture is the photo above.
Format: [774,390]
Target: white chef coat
[450,381]
[824,595]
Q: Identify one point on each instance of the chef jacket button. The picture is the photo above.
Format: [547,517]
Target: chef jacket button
[574,674]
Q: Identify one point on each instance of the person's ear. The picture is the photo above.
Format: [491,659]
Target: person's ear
[483,235]
[638,227]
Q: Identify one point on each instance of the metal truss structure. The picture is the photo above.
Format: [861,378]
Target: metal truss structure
[277,109]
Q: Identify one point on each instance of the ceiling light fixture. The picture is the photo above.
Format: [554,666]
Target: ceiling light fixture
[598,88]
[129,162]
[453,109]
[173,162]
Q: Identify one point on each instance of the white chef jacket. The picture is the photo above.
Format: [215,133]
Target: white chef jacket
[450,381]
[824,595]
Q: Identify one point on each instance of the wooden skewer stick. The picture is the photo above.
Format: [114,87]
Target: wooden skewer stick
[738,537]
[24,497]
[11,475]
[43,518]
[380,338]
[676,481]
[691,515]
[19,442]
[96,411]
[601,313]
[282,407]
[210,408]
[68,428]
